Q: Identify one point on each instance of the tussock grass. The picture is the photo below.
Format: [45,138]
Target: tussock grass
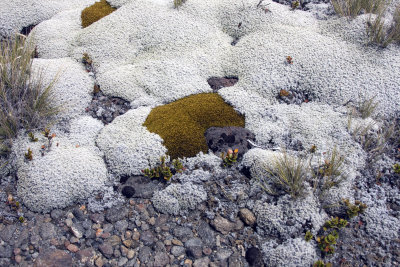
[330,173]
[381,34]
[353,8]
[25,102]
[287,174]
[367,107]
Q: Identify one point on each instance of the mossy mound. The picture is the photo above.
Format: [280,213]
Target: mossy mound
[182,124]
[95,12]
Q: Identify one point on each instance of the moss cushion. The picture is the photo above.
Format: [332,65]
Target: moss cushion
[95,12]
[182,123]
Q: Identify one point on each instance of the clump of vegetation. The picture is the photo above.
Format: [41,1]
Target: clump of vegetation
[321,263]
[96,12]
[367,107]
[335,223]
[230,158]
[196,113]
[32,137]
[287,174]
[353,210]
[326,242]
[330,173]
[295,5]
[375,142]
[381,34]
[178,3]
[29,155]
[308,236]
[88,62]
[284,93]
[163,171]
[25,102]
[353,8]
[396,168]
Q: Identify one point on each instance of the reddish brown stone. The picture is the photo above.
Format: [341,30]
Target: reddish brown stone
[53,258]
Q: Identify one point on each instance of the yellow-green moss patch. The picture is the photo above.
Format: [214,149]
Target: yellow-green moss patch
[182,123]
[95,12]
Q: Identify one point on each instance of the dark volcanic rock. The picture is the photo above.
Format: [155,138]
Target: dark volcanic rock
[128,191]
[139,187]
[217,83]
[26,30]
[220,139]
[254,257]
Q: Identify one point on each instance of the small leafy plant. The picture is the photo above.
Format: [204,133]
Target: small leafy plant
[29,155]
[295,5]
[396,168]
[178,3]
[230,158]
[335,223]
[321,263]
[163,171]
[32,137]
[326,242]
[355,209]
[308,236]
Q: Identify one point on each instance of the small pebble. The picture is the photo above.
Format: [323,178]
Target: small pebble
[18,259]
[73,248]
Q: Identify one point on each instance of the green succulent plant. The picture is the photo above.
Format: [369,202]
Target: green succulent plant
[230,158]
[32,137]
[355,209]
[321,263]
[396,168]
[335,223]
[163,171]
[308,236]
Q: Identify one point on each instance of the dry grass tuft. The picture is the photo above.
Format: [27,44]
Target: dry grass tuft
[287,174]
[25,102]
[353,8]
[381,34]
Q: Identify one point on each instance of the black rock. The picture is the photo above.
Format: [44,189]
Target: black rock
[26,30]
[220,139]
[217,83]
[254,257]
[139,187]
[79,215]
[128,191]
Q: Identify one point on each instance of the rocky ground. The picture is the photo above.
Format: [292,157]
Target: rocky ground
[221,231]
